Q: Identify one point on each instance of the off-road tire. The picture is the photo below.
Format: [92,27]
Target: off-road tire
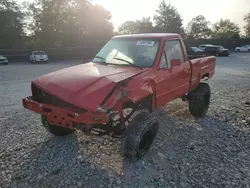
[140,135]
[56,130]
[199,100]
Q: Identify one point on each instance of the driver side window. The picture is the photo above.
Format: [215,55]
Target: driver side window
[174,50]
[163,63]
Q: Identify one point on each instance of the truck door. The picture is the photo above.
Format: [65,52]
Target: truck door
[173,75]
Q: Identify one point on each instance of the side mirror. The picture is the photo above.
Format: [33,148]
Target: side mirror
[175,62]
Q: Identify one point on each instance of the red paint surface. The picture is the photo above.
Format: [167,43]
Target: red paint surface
[87,85]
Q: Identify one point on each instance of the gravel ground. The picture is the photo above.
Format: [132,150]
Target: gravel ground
[209,152]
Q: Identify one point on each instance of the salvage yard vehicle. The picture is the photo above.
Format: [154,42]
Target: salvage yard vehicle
[245,48]
[118,90]
[217,50]
[203,46]
[3,60]
[194,52]
[38,56]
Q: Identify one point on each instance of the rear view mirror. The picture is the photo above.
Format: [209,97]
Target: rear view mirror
[175,62]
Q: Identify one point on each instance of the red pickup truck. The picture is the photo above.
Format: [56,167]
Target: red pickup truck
[116,92]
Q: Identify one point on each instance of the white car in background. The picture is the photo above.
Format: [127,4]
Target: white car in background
[38,56]
[3,60]
[245,48]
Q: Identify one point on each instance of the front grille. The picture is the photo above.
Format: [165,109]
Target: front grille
[43,97]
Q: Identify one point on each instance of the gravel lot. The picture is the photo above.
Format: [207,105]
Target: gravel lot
[209,152]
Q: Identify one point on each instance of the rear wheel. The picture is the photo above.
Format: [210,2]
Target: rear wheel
[238,50]
[140,135]
[199,100]
[56,130]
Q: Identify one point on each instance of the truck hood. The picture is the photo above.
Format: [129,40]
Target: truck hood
[85,85]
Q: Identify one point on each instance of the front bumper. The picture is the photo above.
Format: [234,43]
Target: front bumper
[3,61]
[65,117]
[41,60]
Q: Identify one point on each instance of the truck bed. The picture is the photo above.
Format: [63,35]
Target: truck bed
[201,68]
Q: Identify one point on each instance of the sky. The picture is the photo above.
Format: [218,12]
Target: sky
[213,10]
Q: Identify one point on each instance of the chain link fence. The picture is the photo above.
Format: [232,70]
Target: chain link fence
[89,51]
[230,44]
[55,54]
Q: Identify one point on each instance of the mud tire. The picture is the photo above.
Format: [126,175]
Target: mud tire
[56,130]
[140,135]
[199,100]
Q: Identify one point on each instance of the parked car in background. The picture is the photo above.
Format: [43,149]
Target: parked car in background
[245,48]
[38,56]
[195,52]
[217,50]
[203,46]
[3,60]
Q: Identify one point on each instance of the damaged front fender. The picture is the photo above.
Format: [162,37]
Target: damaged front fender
[129,94]
[145,90]
[117,99]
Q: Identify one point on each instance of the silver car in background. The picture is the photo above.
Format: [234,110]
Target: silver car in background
[3,60]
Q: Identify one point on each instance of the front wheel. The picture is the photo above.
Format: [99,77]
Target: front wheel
[56,130]
[199,100]
[140,135]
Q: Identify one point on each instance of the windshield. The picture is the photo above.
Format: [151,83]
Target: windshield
[39,53]
[129,52]
[196,49]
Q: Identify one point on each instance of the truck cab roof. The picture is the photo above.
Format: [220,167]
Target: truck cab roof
[149,35]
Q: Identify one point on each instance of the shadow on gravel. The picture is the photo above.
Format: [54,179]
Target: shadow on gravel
[187,153]
[43,164]
[202,153]
[59,162]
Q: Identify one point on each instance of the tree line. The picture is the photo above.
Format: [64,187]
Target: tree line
[53,23]
[168,19]
[63,23]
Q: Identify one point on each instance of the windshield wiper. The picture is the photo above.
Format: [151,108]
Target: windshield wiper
[124,60]
[101,58]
